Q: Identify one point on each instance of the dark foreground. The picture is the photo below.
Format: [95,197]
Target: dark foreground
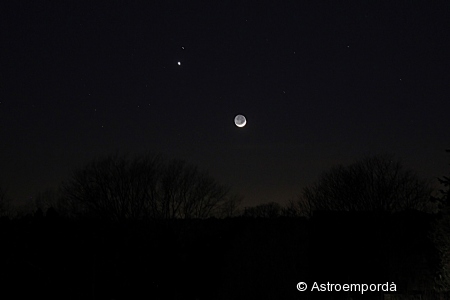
[235,258]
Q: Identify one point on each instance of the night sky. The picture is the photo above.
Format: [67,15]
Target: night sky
[320,83]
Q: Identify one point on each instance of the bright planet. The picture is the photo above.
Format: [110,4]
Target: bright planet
[240,121]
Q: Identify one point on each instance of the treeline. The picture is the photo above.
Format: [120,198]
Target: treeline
[123,228]
[151,187]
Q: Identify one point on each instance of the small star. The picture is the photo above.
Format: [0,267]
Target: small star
[179,63]
[182,47]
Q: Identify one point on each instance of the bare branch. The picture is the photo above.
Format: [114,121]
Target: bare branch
[376,183]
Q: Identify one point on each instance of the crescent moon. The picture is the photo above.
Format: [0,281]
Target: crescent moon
[240,121]
[242,125]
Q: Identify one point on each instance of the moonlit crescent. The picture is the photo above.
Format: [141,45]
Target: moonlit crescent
[240,121]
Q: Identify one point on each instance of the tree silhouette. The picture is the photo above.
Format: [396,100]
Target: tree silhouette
[229,208]
[441,235]
[377,183]
[444,198]
[114,188]
[185,192]
[119,188]
[441,239]
[49,199]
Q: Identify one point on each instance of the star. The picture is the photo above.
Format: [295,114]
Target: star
[179,63]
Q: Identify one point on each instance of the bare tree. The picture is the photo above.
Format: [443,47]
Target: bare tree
[229,208]
[144,187]
[377,183]
[441,235]
[49,198]
[443,199]
[185,192]
[114,188]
